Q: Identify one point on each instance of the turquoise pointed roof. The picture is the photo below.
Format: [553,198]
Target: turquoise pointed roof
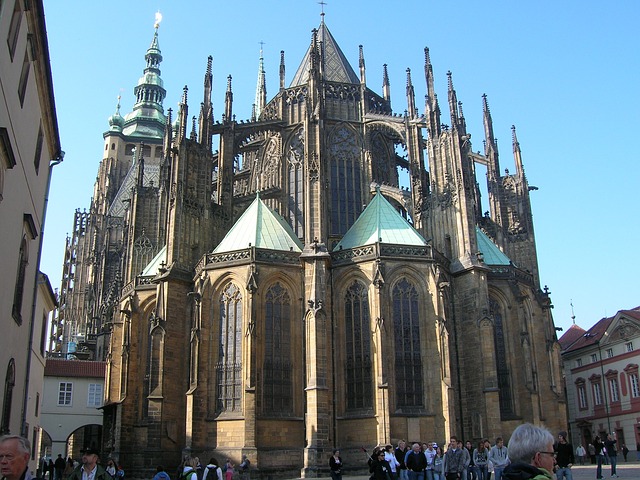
[261,227]
[492,254]
[336,65]
[153,266]
[380,222]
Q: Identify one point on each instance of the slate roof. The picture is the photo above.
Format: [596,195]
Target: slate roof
[336,65]
[380,222]
[492,254]
[261,227]
[57,367]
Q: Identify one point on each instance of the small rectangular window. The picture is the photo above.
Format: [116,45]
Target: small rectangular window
[629,346]
[609,352]
[65,394]
[579,362]
[38,154]
[594,358]
[582,397]
[24,78]
[635,385]
[14,29]
[94,396]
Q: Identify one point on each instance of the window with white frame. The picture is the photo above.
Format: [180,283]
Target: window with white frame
[635,385]
[597,394]
[609,352]
[594,358]
[628,346]
[65,394]
[94,395]
[613,389]
[578,362]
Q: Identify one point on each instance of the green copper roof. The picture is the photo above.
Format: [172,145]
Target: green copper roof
[154,264]
[492,254]
[336,65]
[380,222]
[260,227]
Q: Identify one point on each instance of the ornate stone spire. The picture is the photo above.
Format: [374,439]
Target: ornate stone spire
[261,87]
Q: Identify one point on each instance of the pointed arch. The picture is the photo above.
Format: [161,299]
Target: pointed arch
[346,189]
[502,359]
[408,361]
[295,181]
[359,365]
[229,365]
[277,386]
[155,361]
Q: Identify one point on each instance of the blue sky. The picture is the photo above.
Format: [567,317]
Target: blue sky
[565,73]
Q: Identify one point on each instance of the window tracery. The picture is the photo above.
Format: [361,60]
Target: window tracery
[346,185]
[229,365]
[408,362]
[359,377]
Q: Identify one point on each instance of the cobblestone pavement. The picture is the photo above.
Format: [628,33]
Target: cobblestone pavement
[626,471]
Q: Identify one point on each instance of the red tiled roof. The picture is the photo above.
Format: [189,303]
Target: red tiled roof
[56,367]
[570,336]
[592,336]
[633,313]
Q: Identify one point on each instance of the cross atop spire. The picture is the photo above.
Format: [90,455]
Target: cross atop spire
[322,3]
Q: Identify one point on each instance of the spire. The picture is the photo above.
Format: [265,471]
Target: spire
[206,108]
[493,167]
[335,64]
[140,179]
[411,97]
[168,133]
[363,76]
[432,110]
[282,69]
[517,155]
[116,122]
[386,86]
[228,101]
[453,101]
[261,87]
[183,114]
[194,135]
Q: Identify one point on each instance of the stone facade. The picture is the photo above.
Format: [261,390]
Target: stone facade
[282,354]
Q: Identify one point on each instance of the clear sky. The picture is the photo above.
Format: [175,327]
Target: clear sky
[566,73]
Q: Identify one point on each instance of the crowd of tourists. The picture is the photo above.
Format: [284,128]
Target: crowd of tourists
[532,454]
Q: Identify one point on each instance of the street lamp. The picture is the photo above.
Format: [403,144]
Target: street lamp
[606,401]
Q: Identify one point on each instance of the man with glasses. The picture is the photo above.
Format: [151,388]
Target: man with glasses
[14,457]
[531,454]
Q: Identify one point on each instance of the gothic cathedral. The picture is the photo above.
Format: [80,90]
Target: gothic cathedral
[268,287]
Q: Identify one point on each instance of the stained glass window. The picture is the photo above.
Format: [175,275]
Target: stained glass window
[408,363]
[359,378]
[229,366]
[502,362]
[277,388]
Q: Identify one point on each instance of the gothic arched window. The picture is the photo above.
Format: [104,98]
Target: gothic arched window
[295,160]
[408,363]
[346,185]
[229,366]
[359,378]
[277,392]
[9,383]
[156,341]
[502,361]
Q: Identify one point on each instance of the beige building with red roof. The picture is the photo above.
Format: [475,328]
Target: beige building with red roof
[602,379]
[71,414]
